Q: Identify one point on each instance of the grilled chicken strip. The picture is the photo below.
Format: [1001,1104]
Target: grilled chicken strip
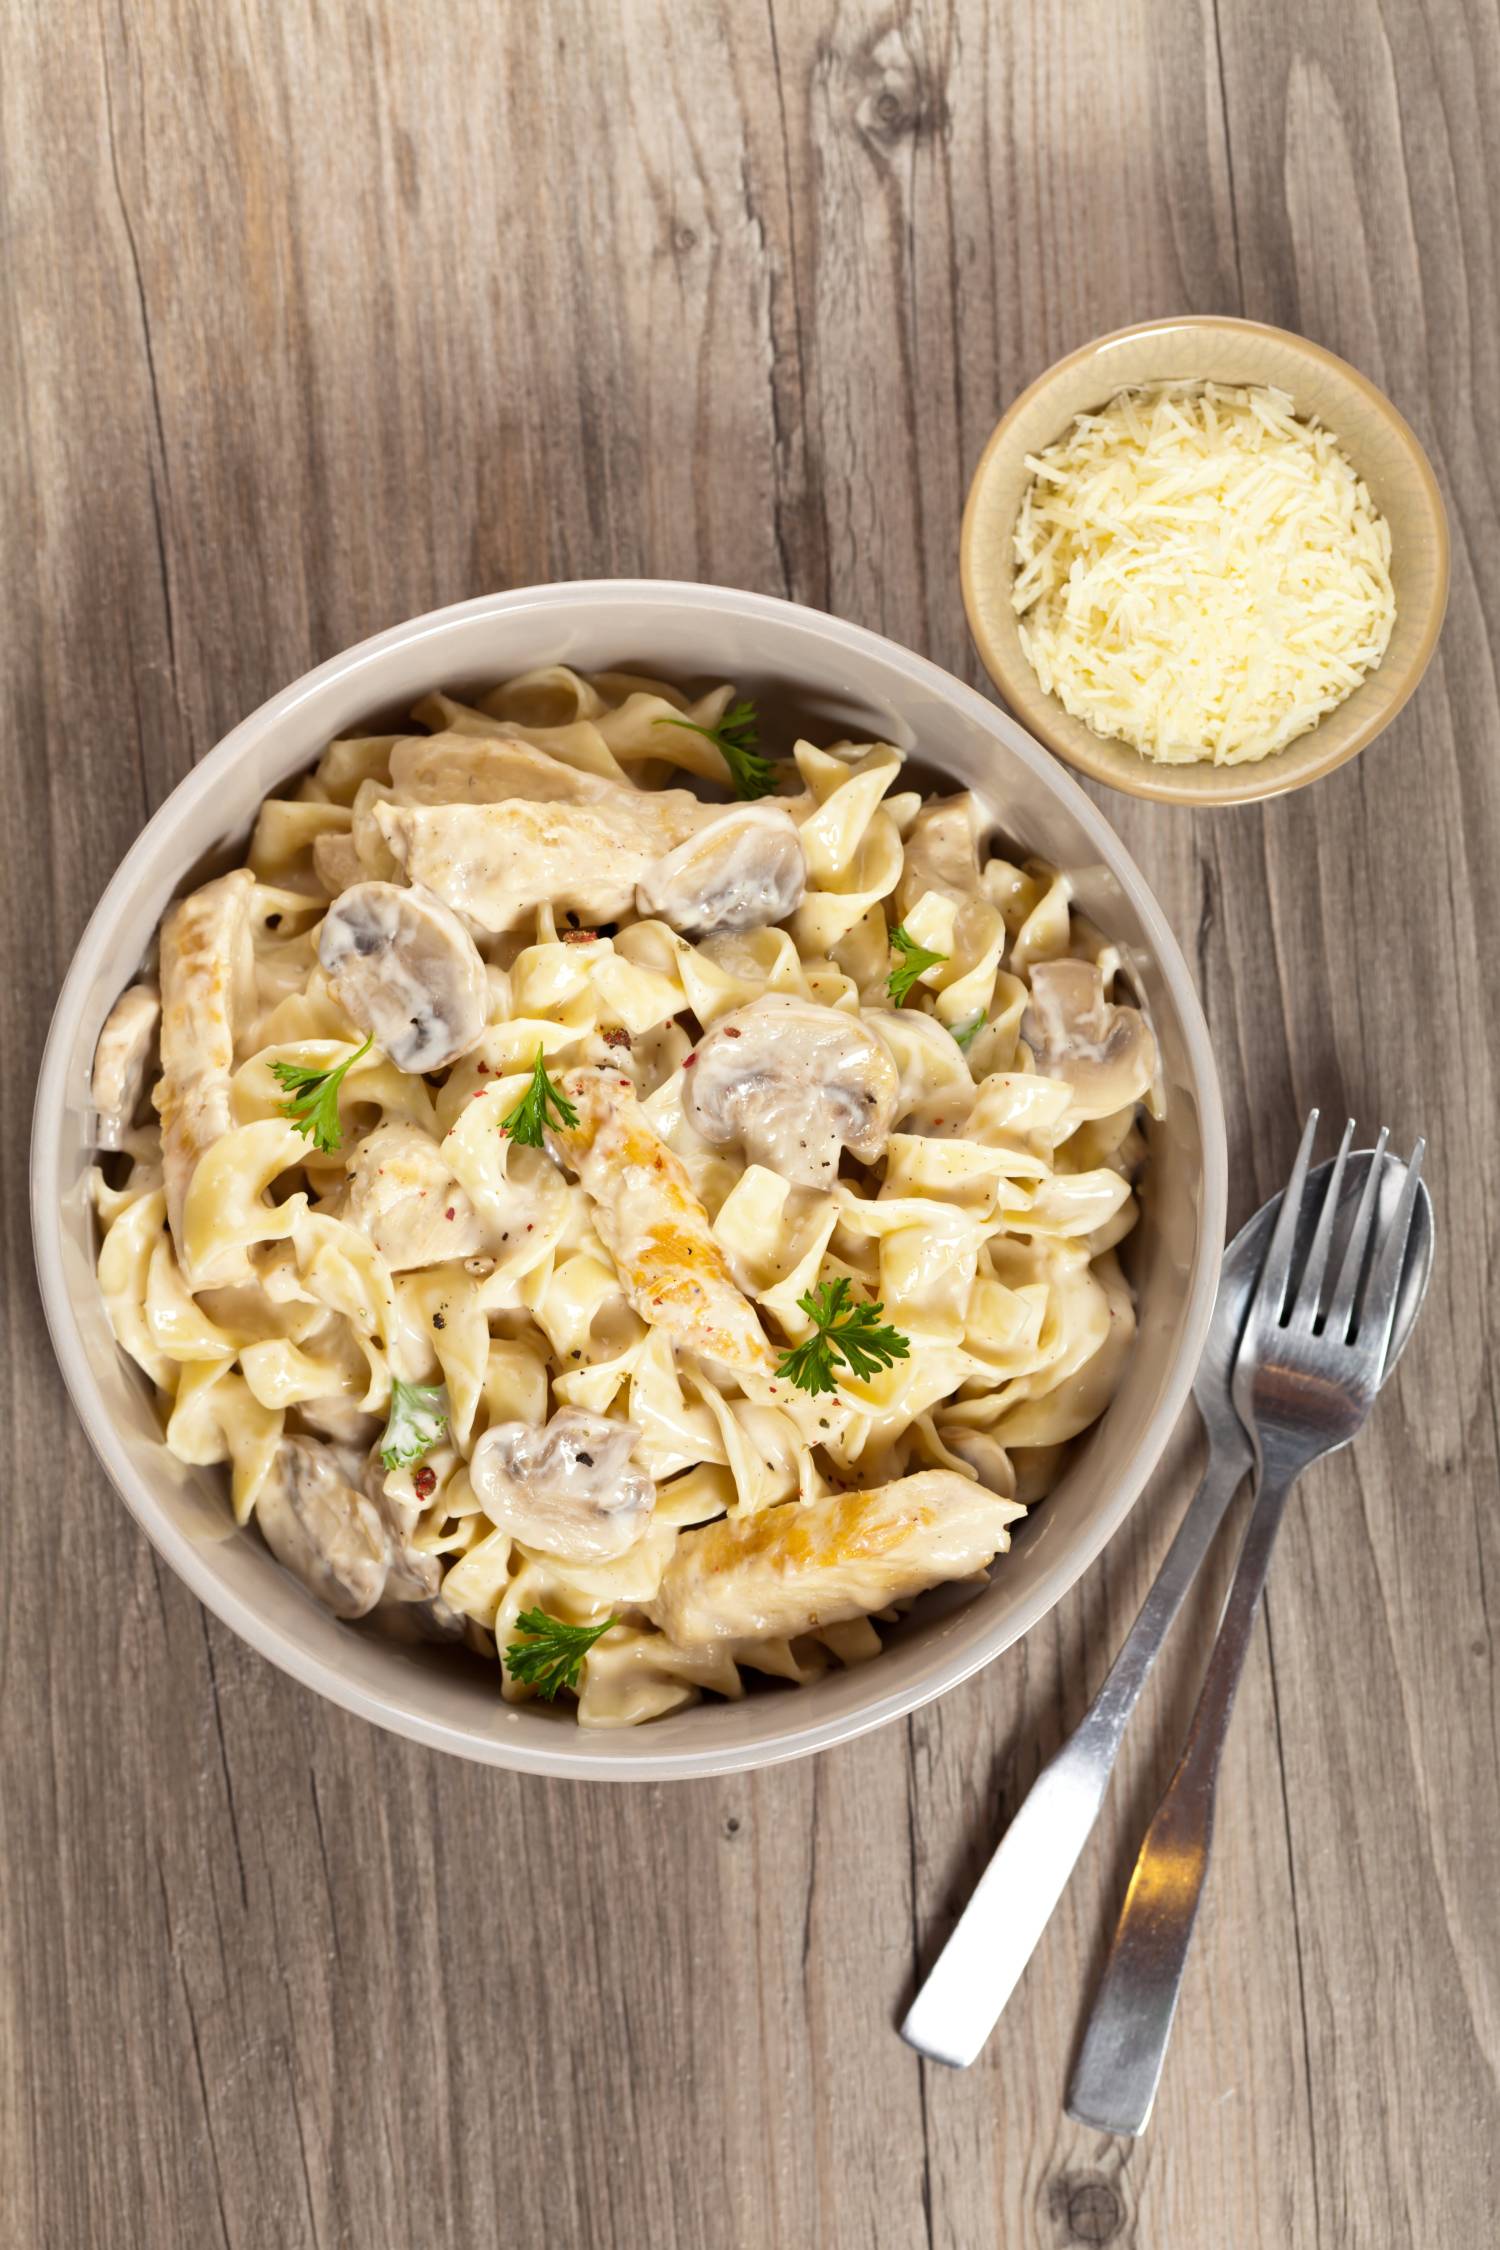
[802,1565]
[653,1225]
[207,974]
[122,1059]
[496,863]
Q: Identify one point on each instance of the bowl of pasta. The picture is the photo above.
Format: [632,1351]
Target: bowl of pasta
[628,1180]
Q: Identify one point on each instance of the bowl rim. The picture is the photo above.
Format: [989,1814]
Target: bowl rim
[570,1757]
[1042,714]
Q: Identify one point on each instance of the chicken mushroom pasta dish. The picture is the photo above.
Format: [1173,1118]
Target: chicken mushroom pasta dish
[646,1234]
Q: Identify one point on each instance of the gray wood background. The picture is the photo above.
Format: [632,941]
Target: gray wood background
[315,317]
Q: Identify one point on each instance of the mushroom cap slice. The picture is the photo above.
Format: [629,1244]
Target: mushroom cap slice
[567,1489]
[793,1082]
[805,1564]
[742,870]
[122,1059]
[322,1529]
[1104,1052]
[403,1195]
[406,970]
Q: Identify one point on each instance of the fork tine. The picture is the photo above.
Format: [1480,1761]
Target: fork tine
[1310,1287]
[1275,1273]
[1378,1312]
[1340,1318]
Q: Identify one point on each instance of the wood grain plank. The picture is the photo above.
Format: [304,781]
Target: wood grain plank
[362,310]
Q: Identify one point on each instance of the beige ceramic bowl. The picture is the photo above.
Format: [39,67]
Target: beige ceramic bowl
[832,676]
[1377,441]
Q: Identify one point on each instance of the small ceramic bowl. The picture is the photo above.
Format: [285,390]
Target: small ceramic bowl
[1376,439]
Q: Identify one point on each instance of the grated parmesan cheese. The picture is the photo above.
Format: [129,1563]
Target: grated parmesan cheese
[1200,573]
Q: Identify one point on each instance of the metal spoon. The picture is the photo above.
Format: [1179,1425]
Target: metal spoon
[978,1969]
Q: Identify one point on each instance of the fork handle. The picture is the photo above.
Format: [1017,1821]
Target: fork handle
[1119,2065]
[975,1974]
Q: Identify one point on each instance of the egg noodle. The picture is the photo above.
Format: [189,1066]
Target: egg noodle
[517,1119]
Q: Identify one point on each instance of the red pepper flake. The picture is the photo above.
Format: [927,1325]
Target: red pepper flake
[618,1037]
[424,1482]
[530,1227]
[688,1061]
[483,1069]
[449,1212]
[479,1093]
[731,1031]
[579,937]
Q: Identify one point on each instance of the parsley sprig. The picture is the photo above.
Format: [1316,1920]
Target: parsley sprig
[735,738]
[968,1031]
[553,1657]
[843,1330]
[314,1106]
[540,1106]
[416,1421]
[916,959]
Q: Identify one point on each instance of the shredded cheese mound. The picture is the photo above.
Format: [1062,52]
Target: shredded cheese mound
[1200,573]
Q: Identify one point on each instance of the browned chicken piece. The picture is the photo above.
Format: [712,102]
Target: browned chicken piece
[122,1059]
[794,1568]
[583,852]
[207,973]
[654,1226]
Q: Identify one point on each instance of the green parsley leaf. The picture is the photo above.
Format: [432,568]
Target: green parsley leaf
[415,1423]
[314,1107]
[553,1657]
[906,972]
[735,738]
[845,1331]
[968,1031]
[540,1106]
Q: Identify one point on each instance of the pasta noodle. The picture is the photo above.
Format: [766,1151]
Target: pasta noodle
[537,1136]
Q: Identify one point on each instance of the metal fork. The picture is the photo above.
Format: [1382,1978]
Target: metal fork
[1304,1381]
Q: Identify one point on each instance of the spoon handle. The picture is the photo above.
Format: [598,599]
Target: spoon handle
[1120,2063]
[968,1985]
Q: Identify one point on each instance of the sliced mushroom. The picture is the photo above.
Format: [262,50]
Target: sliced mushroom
[1105,1053]
[122,1059]
[798,1567]
[404,1197]
[568,1489]
[742,870]
[497,863]
[322,1529]
[942,852]
[207,981]
[653,1225]
[405,969]
[792,1083]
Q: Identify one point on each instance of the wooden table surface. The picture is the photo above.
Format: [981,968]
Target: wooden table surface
[317,318]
